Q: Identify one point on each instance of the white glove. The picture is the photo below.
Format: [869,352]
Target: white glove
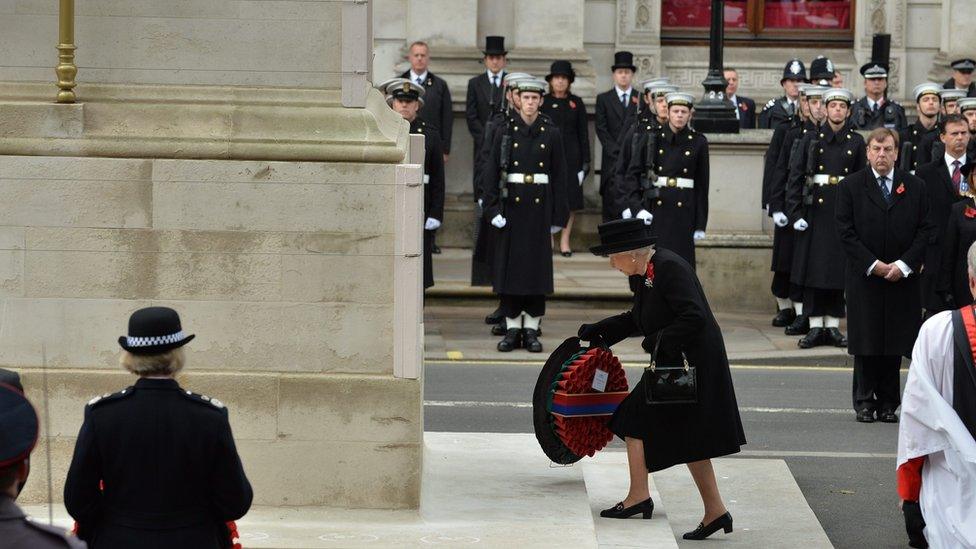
[554,229]
[431,224]
[647,216]
[626,214]
[698,235]
[481,203]
[800,225]
[779,218]
[580,175]
[498,221]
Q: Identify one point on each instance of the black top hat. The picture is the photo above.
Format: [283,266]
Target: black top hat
[794,70]
[963,65]
[495,45]
[821,69]
[153,331]
[18,426]
[561,68]
[623,60]
[623,235]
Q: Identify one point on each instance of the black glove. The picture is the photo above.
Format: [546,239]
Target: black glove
[914,524]
[586,169]
[589,332]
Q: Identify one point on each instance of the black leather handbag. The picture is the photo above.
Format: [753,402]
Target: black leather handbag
[671,383]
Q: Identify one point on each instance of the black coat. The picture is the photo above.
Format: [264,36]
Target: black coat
[569,115]
[890,114]
[818,258]
[773,151]
[437,108]
[775,112]
[883,317]
[784,238]
[675,306]
[433,189]
[483,255]
[17,531]
[959,235]
[482,100]
[626,190]
[918,135]
[171,473]
[747,112]
[610,121]
[941,196]
[951,84]
[523,248]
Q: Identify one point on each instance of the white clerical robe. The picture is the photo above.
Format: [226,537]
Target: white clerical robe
[930,427]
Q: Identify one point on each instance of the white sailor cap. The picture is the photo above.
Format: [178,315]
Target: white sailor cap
[662,90]
[966,104]
[815,91]
[647,85]
[680,98]
[531,85]
[512,78]
[926,88]
[838,94]
[403,89]
[952,95]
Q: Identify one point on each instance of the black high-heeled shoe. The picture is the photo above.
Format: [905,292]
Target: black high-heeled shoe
[703,530]
[620,512]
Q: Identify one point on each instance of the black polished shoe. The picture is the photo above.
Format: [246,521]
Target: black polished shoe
[435,249]
[511,341]
[618,511]
[495,317]
[784,318]
[499,329]
[567,254]
[888,417]
[813,338]
[530,340]
[865,416]
[723,522]
[800,326]
[835,338]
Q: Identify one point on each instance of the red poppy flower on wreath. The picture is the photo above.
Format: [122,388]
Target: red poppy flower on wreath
[572,104]
[970,212]
[900,189]
[649,276]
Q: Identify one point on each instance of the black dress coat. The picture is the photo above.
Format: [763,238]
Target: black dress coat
[482,100]
[775,112]
[747,111]
[633,143]
[918,135]
[675,306]
[569,115]
[883,317]
[959,235]
[433,189]
[942,195]
[951,84]
[610,120]
[523,248]
[818,258]
[437,107]
[171,473]
[784,238]
[773,151]
[890,114]
[483,255]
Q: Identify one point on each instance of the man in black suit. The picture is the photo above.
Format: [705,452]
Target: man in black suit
[486,92]
[784,108]
[613,108]
[882,217]
[962,76]
[745,107]
[436,110]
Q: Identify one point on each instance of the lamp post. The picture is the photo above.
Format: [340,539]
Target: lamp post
[715,113]
[66,69]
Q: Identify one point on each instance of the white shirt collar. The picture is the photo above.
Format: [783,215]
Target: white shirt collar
[734,101]
[629,91]
[888,177]
[949,160]
[414,76]
[499,74]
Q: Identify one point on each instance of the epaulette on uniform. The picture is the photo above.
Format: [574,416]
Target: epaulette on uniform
[204,399]
[770,104]
[110,397]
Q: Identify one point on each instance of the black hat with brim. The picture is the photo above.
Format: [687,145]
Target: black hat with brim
[623,235]
[153,331]
[18,426]
[495,45]
[874,70]
[623,60]
[794,70]
[561,68]
[963,65]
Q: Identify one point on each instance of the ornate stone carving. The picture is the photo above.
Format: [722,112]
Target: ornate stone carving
[643,15]
[639,23]
[878,17]
[646,64]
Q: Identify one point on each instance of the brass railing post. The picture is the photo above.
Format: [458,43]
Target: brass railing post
[66,69]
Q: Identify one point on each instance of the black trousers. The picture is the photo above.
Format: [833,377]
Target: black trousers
[784,289]
[512,306]
[817,302]
[877,383]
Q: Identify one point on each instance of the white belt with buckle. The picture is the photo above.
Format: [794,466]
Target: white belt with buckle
[426,179]
[824,179]
[528,178]
[679,182]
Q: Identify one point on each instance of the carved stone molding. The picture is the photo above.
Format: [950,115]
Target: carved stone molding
[639,31]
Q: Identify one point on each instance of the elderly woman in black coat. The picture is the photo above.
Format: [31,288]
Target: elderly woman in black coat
[669,307]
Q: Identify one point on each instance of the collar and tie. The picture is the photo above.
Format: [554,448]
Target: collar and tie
[956,175]
[623,99]
[494,80]
[420,81]
[885,191]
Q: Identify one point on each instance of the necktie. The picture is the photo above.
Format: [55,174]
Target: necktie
[623,99]
[956,175]
[874,107]
[883,184]
[494,81]
[420,81]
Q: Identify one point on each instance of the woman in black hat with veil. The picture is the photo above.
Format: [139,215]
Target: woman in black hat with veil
[671,313]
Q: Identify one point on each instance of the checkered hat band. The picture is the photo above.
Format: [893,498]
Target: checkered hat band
[154,340]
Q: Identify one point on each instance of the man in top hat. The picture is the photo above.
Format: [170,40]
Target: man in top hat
[528,156]
[962,76]
[486,92]
[875,109]
[156,465]
[824,158]
[19,427]
[675,203]
[883,219]
[745,108]
[407,98]
[780,110]
[613,108]
[928,102]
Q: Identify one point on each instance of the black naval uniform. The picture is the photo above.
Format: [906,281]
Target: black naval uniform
[960,234]
[888,115]
[523,248]
[436,110]
[611,119]
[483,254]
[777,111]
[942,194]
[569,115]
[819,261]
[168,467]
[633,142]
[921,139]
[18,531]
[678,172]
[433,189]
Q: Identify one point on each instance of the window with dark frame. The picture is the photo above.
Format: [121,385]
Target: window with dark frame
[752,21]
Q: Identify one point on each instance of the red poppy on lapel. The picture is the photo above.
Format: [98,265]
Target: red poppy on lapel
[744,106]
[633,99]
[572,104]
[970,212]
[649,276]
[901,188]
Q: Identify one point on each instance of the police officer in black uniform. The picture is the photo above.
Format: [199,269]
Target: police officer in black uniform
[406,98]
[782,109]
[652,117]
[823,159]
[18,435]
[822,72]
[525,205]
[667,183]
[962,76]
[875,109]
[923,130]
[155,466]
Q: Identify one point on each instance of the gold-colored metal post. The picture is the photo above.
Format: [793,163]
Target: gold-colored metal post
[66,69]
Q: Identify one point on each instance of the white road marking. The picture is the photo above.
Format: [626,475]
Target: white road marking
[504,404]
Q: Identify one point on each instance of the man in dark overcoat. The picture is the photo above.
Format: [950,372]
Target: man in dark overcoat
[613,108]
[882,217]
[485,95]
[530,208]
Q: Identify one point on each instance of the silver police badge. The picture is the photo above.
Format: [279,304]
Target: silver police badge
[795,67]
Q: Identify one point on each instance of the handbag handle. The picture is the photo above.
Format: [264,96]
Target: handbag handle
[657,344]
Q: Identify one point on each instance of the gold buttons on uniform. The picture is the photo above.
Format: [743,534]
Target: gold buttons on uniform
[821,166]
[648,127]
[679,204]
[914,148]
[821,135]
[542,146]
[850,153]
[517,199]
[821,151]
[684,170]
[845,170]
[542,164]
[659,202]
[542,129]
[690,137]
[820,200]
[516,146]
[529,178]
[536,200]
[660,151]
[687,153]
[516,129]
[515,163]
